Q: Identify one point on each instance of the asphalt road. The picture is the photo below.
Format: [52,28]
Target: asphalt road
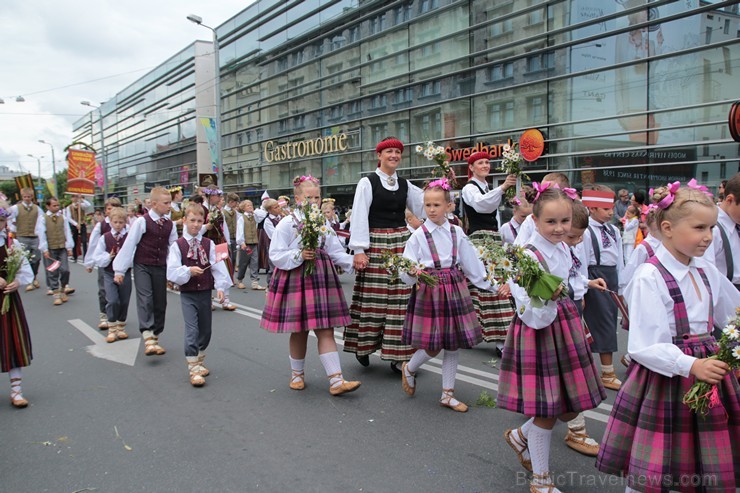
[136,424]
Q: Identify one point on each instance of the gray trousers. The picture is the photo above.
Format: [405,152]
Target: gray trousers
[249,259]
[116,296]
[196,311]
[102,301]
[151,296]
[61,275]
[31,244]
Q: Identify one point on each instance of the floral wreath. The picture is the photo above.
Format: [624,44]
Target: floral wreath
[175,189]
[5,213]
[212,191]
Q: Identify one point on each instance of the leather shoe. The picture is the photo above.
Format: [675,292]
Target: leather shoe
[344,387]
[395,368]
[363,360]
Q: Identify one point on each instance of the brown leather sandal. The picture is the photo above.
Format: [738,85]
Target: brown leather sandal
[519,444]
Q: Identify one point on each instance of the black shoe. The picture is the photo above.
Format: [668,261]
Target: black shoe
[395,367]
[363,360]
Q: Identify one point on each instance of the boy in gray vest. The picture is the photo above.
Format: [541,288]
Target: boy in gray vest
[247,238]
[25,219]
[55,243]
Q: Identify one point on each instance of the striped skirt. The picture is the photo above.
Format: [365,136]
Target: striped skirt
[15,339]
[495,313]
[442,317]
[264,250]
[658,443]
[549,372]
[379,305]
[298,303]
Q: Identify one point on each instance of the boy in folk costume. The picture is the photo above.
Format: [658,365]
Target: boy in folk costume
[117,295]
[176,209]
[192,264]
[725,247]
[247,239]
[146,248]
[98,231]
[76,214]
[231,213]
[24,219]
[274,214]
[55,243]
[216,229]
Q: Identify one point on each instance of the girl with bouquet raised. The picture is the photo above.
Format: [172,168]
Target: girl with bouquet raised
[304,292]
[15,339]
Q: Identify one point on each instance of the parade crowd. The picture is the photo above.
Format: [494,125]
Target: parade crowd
[668,259]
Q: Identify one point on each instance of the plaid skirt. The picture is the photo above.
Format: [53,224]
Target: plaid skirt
[298,303]
[495,313]
[549,372]
[442,316]
[15,339]
[659,444]
[379,305]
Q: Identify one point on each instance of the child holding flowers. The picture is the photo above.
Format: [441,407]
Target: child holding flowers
[440,316]
[15,339]
[547,369]
[304,293]
[653,438]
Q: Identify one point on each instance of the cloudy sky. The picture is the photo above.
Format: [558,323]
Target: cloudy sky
[58,53]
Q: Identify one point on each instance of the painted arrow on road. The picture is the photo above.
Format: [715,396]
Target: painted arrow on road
[123,352]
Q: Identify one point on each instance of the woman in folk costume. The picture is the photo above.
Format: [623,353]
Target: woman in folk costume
[378,223]
[480,204]
[15,339]
[676,299]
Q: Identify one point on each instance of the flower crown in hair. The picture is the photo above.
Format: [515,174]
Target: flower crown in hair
[5,213]
[328,200]
[441,183]
[212,191]
[301,179]
[541,187]
[175,189]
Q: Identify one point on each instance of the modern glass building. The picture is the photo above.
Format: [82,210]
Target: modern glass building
[628,93]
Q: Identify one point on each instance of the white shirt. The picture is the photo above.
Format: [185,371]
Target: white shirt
[526,230]
[559,262]
[25,274]
[715,254]
[417,250]
[89,261]
[41,231]
[269,227]
[14,216]
[579,282]
[285,249]
[179,274]
[98,256]
[630,231]
[125,258]
[360,240]
[507,235]
[652,321]
[84,205]
[638,257]
[483,203]
[612,256]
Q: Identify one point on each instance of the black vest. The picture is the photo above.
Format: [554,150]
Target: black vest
[476,220]
[388,208]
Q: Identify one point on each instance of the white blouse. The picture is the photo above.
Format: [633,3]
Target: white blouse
[652,320]
[559,262]
[285,248]
[507,235]
[125,258]
[269,227]
[638,257]
[180,274]
[483,203]
[360,239]
[25,274]
[417,250]
[526,230]
[92,244]
[579,282]
[715,254]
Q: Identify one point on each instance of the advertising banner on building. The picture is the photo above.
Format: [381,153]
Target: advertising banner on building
[209,124]
[81,172]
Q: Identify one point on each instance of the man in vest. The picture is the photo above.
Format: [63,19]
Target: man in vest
[231,212]
[25,219]
[247,237]
[55,242]
[76,214]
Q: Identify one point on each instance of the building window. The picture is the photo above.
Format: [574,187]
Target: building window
[378,132]
[722,170]
[536,109]
[355,107]
[501,28]
[431,49]
[354,34]
[704,176]
[429,125]
[501,115]
[297,58]
[283,125]
[727,26]
[402,96]
[501,71]
[377,24]
[337,112]
[429,89]
[543,61]
[428,5]
[337,42]
[282,63]
[378,102]
[402,130]
[402,13]
[536,17]
[299,122]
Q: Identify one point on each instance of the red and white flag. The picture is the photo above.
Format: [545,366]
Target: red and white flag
[222,252]
[54,266]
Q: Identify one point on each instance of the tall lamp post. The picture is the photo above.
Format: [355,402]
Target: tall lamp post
[103,162]
[39,187]
[217,90]
[53,162]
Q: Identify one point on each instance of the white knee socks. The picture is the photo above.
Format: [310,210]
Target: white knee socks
[449,369]
[419,358]
[297,365]
[332,366]
[539,450]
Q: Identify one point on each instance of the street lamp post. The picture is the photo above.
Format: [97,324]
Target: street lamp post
[103,162]
[53,161]
[39,186]
[217,89]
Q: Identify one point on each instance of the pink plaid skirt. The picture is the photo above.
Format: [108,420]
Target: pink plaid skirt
[659,444]
[298,303]
[442,317]
[549,372]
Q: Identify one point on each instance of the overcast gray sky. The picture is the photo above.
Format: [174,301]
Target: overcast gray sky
[95,48]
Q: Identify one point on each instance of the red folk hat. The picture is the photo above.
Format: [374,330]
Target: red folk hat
[478,155]
[389,144]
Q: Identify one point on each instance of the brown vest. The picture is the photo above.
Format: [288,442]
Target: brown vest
[25,221]
[77,213]
[250,230]
[55,232]
[176,216]
[230,218]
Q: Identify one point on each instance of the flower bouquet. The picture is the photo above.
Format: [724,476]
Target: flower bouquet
[394,263]
[16,255]
[310,229]
[438,154]
[511,164]
[703,396]
[214,215]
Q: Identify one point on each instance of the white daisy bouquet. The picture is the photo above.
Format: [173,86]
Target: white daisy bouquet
[511,164]
[704,396]
[436,153]
[311,229]
[397,263]
[16,255]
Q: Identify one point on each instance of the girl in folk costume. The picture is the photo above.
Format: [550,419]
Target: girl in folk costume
[480,205]
[327,209]
[117,296]
[216,229]
[298,302]
[379,305]
[725,250]
[15,339]
[441,317]
[653,439]
[547,369]
[527,229]
[247,240]
[274,214]
[522,209]
[176,209]
[98,231]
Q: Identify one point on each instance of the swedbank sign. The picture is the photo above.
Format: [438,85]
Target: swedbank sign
[274,152]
